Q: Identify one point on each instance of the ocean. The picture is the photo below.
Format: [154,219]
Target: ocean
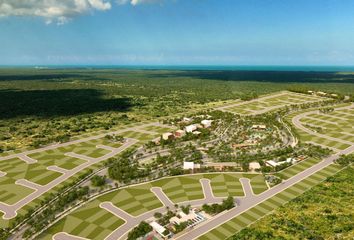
[198,67]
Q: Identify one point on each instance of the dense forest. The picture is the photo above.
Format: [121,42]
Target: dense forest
[41,106]
[325,212]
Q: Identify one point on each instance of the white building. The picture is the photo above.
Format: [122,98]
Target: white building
[191,128]
[206,123]
[272,163]
[259,127]
[160,229]
[167,136]
[190,165]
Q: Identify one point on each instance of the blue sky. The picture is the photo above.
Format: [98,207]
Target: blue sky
[177,32]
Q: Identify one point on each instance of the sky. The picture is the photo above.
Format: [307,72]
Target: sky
[177,32]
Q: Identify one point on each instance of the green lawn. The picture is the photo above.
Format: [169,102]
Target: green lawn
[186,188]
[297,168]
[337,124]
[134,200]
[181,189]
[270,103]
[17,169]
[158,129]
[143,137]
[89,221]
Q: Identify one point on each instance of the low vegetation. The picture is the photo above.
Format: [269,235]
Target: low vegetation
[39,107]
[325,212]
[218,208]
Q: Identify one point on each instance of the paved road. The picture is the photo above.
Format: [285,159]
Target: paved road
[247,188]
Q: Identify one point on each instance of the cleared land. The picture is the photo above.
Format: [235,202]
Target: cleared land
[229,228]
[333,130]
[44,170]
[133,200]
[268,103]
[137,200]
[90,221]
[187,188]
[297,168]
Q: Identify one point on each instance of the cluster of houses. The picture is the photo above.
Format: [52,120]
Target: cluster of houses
[322,94]
[193,218]
[193,128]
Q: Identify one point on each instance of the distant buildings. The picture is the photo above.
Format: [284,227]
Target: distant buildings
[272,163]
[259,127]
[180,133]
[206,123]
[191,128]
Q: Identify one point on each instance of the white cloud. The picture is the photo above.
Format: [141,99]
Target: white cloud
[59,11]
[137,2]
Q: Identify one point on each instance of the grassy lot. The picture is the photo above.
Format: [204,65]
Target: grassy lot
[90,222]
[158,129]
[277,101]
[231,227]
[57,156]
[187,188]
[181,189]
[134,200]
[337,124]
[297,168]
[143,137]
[17,169]
[224,185]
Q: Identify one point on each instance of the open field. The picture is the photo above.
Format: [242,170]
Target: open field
[333,130]
[268,103]
[187,188]
[229,228]
[90,221]
[142,137]
[43,170]
[158,129]
[133,200]
[139,199]
[297,168]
